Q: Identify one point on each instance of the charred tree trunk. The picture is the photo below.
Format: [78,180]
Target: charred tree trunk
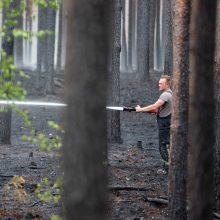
[179,128]
[202,108]
[217,115]
[168,63]
[143,39]
[114,130]
[8,48]
[85,147]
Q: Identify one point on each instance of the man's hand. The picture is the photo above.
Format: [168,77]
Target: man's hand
[138,108]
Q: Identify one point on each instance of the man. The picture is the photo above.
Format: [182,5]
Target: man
[162,107]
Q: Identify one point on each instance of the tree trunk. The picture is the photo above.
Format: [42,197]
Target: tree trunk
[179,129]
[202,108]
[217,117]
[168,63]
[114,130]
[130,33]
[143,39]
[8,47]
[124,43]
[60,37]
[151,35]
[85,147]
[134,35]
[51,21]
[41,54]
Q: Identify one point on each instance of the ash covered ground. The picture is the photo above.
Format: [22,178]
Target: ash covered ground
[134,171]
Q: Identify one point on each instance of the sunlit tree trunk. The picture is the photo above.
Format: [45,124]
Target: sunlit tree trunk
[179,129]
[202,109]
[114,130]
[217,118]
[143,39]
[84,145]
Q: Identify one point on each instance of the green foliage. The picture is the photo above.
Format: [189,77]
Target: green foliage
[46,193]
[11,88]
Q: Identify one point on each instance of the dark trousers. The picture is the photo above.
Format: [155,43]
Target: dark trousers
[164,136]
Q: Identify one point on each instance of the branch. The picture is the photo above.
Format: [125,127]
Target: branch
[128,188]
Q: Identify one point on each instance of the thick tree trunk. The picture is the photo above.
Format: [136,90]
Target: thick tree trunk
[202,108]
[217,118]
[85,147]
[168,63]
[179,128]
[143,39]
[114,130]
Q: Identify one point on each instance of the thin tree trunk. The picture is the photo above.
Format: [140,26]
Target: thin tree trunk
[114,130]
[134,35]
[85,147]
[143,39]
[130,33]
[124,43]
[151,34]
[51,20]
[8,48]
[202,108]
[168,64]
[179,128]
[60,36]
[217,118]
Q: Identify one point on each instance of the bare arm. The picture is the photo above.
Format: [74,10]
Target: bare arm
[151,108]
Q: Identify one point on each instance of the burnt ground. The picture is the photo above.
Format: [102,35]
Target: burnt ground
[134,171]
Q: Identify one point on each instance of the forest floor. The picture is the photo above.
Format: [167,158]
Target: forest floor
[135,166]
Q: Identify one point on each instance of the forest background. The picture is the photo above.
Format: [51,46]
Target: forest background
[148,38]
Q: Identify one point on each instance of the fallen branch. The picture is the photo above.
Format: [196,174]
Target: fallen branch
[157,200]
[35,203]
[7,176]
[128,188]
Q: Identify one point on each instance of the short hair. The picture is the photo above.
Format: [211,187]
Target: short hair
[168,79]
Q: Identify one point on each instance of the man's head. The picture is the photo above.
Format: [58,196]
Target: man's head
[164,82]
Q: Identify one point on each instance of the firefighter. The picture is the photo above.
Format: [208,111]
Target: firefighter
[162,108]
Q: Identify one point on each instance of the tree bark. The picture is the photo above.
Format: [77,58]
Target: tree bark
[143,39]
[217,115]
[202,108]
[151,35]
[168,63]
[114,130]
[124,43]
[179,129]
[84,145]
[51,21]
